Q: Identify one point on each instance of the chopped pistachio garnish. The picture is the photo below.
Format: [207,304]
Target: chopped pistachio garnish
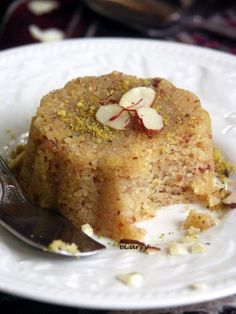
[61,113]
[80,104]
[223,167]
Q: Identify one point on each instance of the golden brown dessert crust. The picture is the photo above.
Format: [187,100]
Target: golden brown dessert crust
[108,178]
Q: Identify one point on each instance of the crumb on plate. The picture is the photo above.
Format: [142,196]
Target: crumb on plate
[133,279]
[198,220]
[59,245]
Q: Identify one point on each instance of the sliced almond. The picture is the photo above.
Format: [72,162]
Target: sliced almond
[150,119]
[86,228]
[231,200]
[138,97]
[113,116]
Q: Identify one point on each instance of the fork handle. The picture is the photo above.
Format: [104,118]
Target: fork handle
[10,192]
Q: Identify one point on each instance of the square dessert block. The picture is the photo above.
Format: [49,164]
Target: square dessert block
[112,178]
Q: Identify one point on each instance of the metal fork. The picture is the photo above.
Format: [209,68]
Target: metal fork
[36,226]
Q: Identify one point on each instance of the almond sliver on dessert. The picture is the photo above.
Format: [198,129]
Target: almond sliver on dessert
[138,97]
[113,116]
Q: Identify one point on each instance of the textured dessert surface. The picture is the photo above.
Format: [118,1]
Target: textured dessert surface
[113,178]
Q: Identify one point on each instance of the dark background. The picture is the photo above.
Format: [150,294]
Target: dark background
[76,20]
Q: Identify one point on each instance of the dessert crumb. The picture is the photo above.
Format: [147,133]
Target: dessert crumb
[198,220]
[133,279]
[59,245]
[193,231]
[190,238]
[176,249]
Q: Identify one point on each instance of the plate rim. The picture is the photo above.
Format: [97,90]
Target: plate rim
[227,57]
[200,300]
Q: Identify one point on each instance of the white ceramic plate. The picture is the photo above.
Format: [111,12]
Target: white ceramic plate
[29,72]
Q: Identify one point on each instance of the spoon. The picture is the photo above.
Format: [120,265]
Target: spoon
[144,12]
[38,227]
[159,18]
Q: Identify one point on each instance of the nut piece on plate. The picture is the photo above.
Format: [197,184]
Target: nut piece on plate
[198,248]
[198,220]
[190,238]
[191,235]
[86,228]
[59,245]
[230,200]
[176,248]
[199,286]
[131,279]
[193,231]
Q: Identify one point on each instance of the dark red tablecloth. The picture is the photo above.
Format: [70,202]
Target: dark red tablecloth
[72,19]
